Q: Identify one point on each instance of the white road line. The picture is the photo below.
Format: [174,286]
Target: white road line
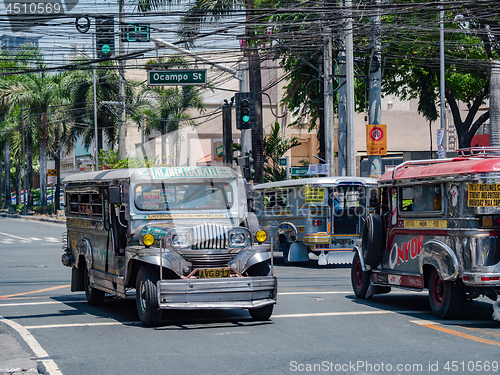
[34,239]
[334,314]
[11,235]
[8,242]
[297,293]
[42,355]
[39,303]
[51,239]
[114,323]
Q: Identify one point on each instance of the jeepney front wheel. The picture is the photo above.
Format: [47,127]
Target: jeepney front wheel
[146,297]
[360,279]
[261,313]
[95,297]
[445,297]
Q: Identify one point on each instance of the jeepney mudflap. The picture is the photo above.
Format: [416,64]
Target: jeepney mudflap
[230,293]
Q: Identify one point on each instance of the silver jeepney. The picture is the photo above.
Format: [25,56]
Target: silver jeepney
[320,215]
[182,237]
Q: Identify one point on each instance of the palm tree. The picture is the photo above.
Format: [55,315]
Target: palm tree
[172,104]
[203,11]
[38,92]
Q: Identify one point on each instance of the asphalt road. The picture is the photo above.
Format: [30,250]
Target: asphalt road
[318,326]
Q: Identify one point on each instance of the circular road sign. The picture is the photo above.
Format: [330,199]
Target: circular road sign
[376,133]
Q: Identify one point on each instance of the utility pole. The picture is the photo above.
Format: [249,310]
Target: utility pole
[375,87]
[25,212]
[442,146]
[227,133]
[96,136]
[328,102]
[342,129]
[351,147]
[495,104]
[122,131]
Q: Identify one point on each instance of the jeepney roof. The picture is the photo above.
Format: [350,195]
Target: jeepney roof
[443,168]
[157,173]
[327,181]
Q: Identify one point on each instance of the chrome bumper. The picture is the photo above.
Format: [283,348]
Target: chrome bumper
[224,293]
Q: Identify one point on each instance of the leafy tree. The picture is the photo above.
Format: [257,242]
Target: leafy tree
[171,105]
[412,68]
[274,148]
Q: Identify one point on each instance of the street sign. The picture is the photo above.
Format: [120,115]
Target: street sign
[282,162]
[52,172]
[51,180]
[376,139]
[298,171]
[177,77]
[319,169]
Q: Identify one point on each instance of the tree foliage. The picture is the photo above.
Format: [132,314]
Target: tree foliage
[274,148]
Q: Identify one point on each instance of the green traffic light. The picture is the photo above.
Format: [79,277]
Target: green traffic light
[246,118]
[106,49]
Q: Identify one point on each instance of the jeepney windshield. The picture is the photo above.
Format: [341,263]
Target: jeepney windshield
[201,196]
[349,204]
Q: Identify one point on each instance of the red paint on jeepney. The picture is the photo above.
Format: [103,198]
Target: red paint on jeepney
[406,251]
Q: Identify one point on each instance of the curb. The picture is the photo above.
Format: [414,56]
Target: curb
[34,218]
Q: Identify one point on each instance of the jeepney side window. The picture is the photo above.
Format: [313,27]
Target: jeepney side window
[269,200]
[467,210]
[96,204]
[282,199]
[73,203]
[421,198]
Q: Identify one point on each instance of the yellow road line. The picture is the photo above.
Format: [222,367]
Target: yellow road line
[461,334]
[35,291]
[482,331]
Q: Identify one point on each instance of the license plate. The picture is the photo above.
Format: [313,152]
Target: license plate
[211,273]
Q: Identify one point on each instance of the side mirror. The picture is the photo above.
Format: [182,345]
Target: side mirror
[114,195]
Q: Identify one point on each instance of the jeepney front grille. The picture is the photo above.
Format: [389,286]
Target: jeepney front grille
[212,260]
[210,236]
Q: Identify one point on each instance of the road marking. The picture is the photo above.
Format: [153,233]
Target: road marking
[8,241]
[41,303]
[335,314]
[35,291]
[297,293]
[34,239]
[11,235]
[114,323]
[438,327]
[482,331]
[42,355]
[51,239]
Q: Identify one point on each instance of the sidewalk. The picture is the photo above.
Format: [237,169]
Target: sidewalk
[50,219]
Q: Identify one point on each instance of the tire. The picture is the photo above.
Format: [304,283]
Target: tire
[286,251]
[146,298]
[445,297]
[95,297]
[252,223]
[360,279]
[262,313]
[373,239]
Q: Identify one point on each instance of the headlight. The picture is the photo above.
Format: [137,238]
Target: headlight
[179,240]
[260,236]
[148,239]
[238,238]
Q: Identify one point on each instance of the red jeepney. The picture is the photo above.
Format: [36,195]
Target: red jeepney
[436,227]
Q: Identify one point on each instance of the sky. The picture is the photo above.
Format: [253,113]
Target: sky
[59,36]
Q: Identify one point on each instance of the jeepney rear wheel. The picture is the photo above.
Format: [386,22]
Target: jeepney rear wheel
[373,238]
[360,279]
[445,297]
[261,313]
[146,297]
[95,297]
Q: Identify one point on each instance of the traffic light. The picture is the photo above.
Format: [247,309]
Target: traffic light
[247,166]
[245,110]
[105,36]
[251,168]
